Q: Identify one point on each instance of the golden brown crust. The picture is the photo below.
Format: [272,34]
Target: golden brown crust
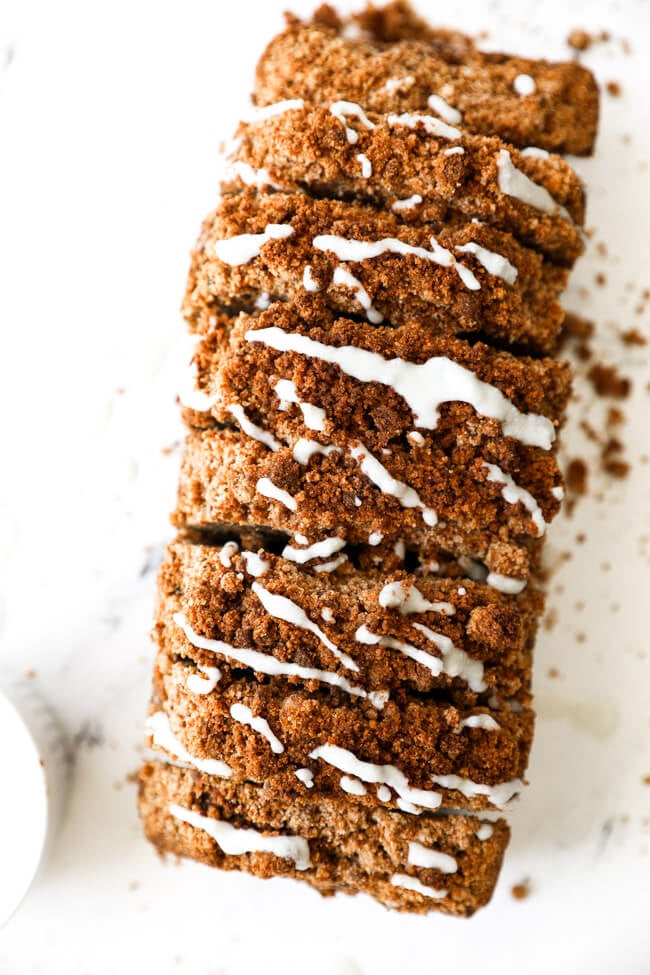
[335,831]
[320,65]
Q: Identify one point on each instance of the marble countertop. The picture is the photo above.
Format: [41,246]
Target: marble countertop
[111,115]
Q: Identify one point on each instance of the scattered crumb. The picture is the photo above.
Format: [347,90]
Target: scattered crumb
[550,619]
[553,673]
[615,416]
[632,336]
[646,779]
[576,327]
[607,381]
[30,674]
[611,459]
[600,279]
[581,538]
[521,891]
[166,451]
[614,88]
[579,39]
[134,885]
[576,476]
[132,777]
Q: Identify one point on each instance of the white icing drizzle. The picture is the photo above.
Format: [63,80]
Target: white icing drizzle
[304,450]
[423,856]
[484,832]
[300,538]
[493,263]
[387,484]
[457,663]
[444,109]
[352,785]
[524,85]
[366,165]
[342,109]
[383,793]
[285,609]
[399,548]
[410,600]
[454,151]
[375,538]
[235,841]
[461,591]
[535,152]
[308,281]
[263,301]
[327,614]
[331,565]
[265,663]
[413,884]
[453,662]
[162,735]
[357,501]
[346,761]
[251,429]
[431,125]
[255,565]
[266,487]
[483,721]
[514,494]
[396,84]
[513,182]
[249,175]
[348,249]
[424,386]
[408,807]
[498,795]
[243,248]
[343,276]
[407,204]
[306,776]
[264,112]
[227,552]
[506,584]
[244,715]
[313,416]
[558,492]
[316,551]
[206,684]
[415,439]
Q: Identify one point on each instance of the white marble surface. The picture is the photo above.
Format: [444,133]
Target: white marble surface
[110,114]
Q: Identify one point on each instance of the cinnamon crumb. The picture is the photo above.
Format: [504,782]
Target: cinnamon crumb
[577,327]
[632,336]
[607,381]
[600,279]
[646,779]
[553,673]
[614,89]
[521,891]
[579,39]
[615,416]
[576,476]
